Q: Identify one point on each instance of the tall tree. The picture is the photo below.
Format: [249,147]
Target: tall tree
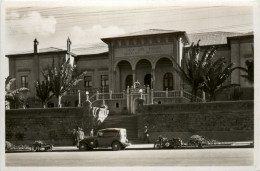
[191,70]
[43,91]
[63,77]
[215,72]
[11,94]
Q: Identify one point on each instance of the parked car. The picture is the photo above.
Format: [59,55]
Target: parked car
[197,141]
[109,137]
[163,142]
[41,146]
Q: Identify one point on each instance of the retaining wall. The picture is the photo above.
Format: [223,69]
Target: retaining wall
[52,125]
[223,121]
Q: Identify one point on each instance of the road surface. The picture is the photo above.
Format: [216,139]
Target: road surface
[135,157]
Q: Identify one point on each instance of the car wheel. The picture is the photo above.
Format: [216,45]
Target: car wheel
[48,148]
[34,148]
[157,145]
[116,146]
[167,144]
[83,146]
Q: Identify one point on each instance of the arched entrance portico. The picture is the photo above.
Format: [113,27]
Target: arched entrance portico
[147,80]
[128,81]
[143,72]
[168,81]
[165,75]
[124,75]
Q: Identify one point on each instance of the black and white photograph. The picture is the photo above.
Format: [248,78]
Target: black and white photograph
[128,85]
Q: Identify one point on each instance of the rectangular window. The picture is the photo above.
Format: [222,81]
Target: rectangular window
[110,134]
[24,81]
[104,83]
[87,81]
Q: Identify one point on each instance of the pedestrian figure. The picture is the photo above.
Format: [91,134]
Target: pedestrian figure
[81,134]
[146,135]
[78,136]
[74,137]
[91,132]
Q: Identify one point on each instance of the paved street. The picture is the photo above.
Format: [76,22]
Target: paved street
[134,157]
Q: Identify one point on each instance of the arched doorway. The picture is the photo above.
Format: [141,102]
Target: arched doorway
[147,80]
[123,75]
[128,81]
[168,81]
[143,70]
[163,76]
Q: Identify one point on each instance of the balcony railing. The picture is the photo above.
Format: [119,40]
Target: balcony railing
[91,91]
[174,94]
[147,94]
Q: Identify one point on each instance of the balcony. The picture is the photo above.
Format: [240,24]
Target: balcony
[74,91]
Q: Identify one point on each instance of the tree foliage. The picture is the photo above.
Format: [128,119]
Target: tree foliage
[11,95]
[43,91]
[215,72]
[249,70]
[62,78]
[191,70]
[204,71]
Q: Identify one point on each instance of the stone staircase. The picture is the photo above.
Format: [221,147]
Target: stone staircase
[129,122]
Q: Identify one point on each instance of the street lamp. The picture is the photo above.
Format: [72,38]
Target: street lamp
[87,93]
[141,93]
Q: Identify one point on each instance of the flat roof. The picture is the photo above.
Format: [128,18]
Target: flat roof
[91,49]
[212,38]
[146,33]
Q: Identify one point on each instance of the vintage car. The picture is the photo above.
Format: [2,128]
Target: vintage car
[41,146]
[197,141]
[165,143]
[109,137]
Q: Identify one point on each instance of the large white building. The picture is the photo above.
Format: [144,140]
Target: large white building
[145,56]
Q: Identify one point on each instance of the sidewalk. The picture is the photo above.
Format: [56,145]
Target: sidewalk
[133,146]
[151,146]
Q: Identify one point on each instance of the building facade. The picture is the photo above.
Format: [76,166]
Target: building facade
[146,57]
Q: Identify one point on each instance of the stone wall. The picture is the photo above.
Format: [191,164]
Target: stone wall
[115,106]
[24,126]
[223,121]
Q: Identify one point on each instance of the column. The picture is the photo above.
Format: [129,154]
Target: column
[134,79]
[128,100]
[153,79]
[79,103]
[111,67]
[116,83]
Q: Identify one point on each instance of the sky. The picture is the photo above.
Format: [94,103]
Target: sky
[87,24]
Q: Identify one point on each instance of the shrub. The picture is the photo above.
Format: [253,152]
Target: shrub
[8,145]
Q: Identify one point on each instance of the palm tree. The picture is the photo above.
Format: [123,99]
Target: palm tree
[191,70]
[43,91]
[62,78]
[10,95]
[215,73]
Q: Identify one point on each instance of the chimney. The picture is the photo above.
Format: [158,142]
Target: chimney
[68,45]
[36,43]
